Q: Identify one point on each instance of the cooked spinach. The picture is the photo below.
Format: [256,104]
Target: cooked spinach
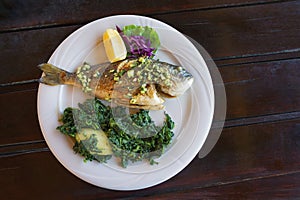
[133,137]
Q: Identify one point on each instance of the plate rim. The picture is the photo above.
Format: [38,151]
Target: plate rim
[73,171]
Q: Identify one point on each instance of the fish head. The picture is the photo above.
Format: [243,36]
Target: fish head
[176,81]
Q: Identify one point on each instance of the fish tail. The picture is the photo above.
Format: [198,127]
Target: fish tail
[54,75]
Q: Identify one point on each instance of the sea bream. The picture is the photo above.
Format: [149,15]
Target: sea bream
[136,83]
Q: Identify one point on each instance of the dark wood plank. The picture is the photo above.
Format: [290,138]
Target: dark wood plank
[262,88]
[34,173]
[242,31]
[18,116]
[284,186]
[256,46]
[22,148]
[22,51]
[234,33]
[251,59]
[261,119]
[242,154]
[17,14]
[19,86]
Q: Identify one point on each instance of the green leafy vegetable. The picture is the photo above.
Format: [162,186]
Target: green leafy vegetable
[132,137]
[145,31]
[90,114]
[141,139]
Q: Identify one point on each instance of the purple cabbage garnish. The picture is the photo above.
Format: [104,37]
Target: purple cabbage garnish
[137,45]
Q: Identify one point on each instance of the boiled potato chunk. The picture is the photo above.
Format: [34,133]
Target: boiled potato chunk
[102,146]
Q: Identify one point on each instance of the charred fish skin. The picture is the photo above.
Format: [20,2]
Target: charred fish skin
[138,83]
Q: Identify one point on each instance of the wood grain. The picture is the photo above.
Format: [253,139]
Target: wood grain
[18,15]
[262,88]
[22,51]
[255,44]
[19,120]
[242,31]
[284,186]
[236,158]
[235,33]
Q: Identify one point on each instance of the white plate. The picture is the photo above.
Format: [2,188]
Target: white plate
[192,112]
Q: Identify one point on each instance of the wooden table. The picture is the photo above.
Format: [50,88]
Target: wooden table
[256,46]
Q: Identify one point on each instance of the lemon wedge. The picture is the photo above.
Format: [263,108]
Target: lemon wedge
[114,45]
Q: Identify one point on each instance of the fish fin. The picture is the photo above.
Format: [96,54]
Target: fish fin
[137,106]
[53,75]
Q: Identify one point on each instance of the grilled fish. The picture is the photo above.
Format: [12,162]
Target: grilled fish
[136,83]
